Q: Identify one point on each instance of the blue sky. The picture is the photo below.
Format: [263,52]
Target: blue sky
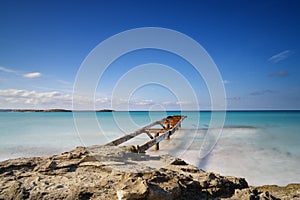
[255,45]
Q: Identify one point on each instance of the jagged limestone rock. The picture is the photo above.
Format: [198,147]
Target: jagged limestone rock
[109,172]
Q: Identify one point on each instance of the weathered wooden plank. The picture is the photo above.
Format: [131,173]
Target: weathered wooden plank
[158,139]
[134,134]
[152,142]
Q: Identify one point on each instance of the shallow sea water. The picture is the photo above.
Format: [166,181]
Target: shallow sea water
[262,146]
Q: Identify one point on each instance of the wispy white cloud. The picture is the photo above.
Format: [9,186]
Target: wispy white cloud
[106,101]
[32,75]
[33,99]
[64,82]
[143,102]
[140,103]
[280,56]
[7,70]
[279,73]
[168,103]
[102,100]
[262,92]
[183,102]
[226,81]
[234,98]
[18,73]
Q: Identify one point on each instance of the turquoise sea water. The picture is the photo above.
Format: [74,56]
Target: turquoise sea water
[261,146]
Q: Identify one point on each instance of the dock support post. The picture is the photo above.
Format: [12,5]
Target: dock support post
[156,146]
[168,137]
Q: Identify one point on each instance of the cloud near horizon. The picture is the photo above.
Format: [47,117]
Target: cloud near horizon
[25,98]
[31,99]
[144,102]
[280,56]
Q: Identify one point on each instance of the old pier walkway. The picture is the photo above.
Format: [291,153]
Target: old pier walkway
[168,127]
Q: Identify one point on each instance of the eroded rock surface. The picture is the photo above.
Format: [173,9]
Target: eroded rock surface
[108,172]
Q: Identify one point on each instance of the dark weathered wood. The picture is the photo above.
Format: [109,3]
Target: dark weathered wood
[156,145]
[169,125]
[150,136]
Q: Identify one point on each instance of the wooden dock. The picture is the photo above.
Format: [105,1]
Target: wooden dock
[168,127]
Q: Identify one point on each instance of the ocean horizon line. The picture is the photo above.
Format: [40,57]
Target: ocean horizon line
[112,110]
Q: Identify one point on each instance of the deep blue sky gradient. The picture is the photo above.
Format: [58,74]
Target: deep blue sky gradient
[54,37]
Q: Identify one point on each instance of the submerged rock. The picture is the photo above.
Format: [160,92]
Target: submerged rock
[109,172]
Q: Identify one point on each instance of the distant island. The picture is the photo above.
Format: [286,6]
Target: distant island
[105,110]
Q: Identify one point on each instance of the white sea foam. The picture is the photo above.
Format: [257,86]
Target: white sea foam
[263,147]
[241,152]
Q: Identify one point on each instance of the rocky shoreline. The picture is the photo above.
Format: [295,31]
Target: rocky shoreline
[110,172]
